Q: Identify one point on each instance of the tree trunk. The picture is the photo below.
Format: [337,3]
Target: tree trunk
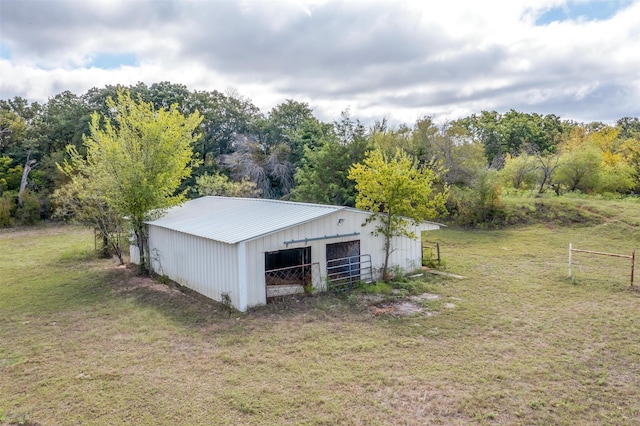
[387,252]
[106,250]
[139,231]
[30,164]
[387,249]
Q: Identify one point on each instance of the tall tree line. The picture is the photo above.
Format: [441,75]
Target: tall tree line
[287,153]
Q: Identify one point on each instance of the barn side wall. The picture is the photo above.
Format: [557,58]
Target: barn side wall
[206,266]
[407,254]
[325,226]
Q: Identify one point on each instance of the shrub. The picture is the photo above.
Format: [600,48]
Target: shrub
[6,204]
[29,213]
[479,205]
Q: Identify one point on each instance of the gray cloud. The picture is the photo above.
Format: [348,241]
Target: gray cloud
[372,56]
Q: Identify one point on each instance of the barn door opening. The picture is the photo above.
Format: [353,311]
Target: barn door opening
[287,271]
[345,265]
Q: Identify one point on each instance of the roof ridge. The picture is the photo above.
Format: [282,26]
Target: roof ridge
[271,200]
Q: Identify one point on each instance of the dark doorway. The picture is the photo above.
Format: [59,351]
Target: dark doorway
[287,258]
[287,271]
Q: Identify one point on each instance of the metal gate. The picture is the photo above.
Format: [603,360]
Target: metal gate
[292,280]
[346,272]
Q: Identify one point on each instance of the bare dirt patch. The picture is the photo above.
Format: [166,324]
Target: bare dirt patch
[405,307]
[131,282]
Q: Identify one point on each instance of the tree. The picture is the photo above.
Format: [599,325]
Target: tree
[28,165]
[457,153]
[139,159]
[269,167]
[485,128]
[631,151]
[12,129]
[519,172]
[219,184]
[619,177]
[480,203]
[322,177]
[82,201]
[579,169]
[547,168]
[10,177]
[508,133]
[397,193]
[391,139]
[322,174]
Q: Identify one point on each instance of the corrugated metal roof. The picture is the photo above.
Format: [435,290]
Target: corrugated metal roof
[232,220]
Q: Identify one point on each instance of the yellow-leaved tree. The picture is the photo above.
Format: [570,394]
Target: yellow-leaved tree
[398,194]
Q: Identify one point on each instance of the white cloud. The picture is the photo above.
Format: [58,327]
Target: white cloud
[400,59]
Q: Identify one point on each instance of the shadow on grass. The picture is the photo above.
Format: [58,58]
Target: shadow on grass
[192,309]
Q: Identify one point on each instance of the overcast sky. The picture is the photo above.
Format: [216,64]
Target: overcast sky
[399,59]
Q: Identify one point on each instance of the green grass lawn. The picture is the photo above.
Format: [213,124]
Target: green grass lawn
[85,342]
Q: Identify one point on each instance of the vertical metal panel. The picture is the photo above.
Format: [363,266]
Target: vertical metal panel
[255,266]
[134,254]
[242,276]
[205,266]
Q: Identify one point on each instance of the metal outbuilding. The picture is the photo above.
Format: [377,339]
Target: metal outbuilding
[247,250]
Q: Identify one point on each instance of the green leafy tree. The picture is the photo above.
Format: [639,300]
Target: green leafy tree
[454,150]
[619,177]
[510,132]
[485,129]
[139,159]
[322,174]
[9,176]
[322,178]
[398,193]
[219,184]
[631,151]
[519,172]
[579,169]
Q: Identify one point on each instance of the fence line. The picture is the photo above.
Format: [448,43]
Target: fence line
[601,253]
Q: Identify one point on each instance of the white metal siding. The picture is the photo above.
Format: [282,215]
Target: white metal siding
[134,254]
[213,268]
[206,266]
[407,254]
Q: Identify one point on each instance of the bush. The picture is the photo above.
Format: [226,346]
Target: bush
[480,205]
[6,218]
[29,213]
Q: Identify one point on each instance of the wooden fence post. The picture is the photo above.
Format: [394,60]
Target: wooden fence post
[632,257]
[633,265]
[570,250]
